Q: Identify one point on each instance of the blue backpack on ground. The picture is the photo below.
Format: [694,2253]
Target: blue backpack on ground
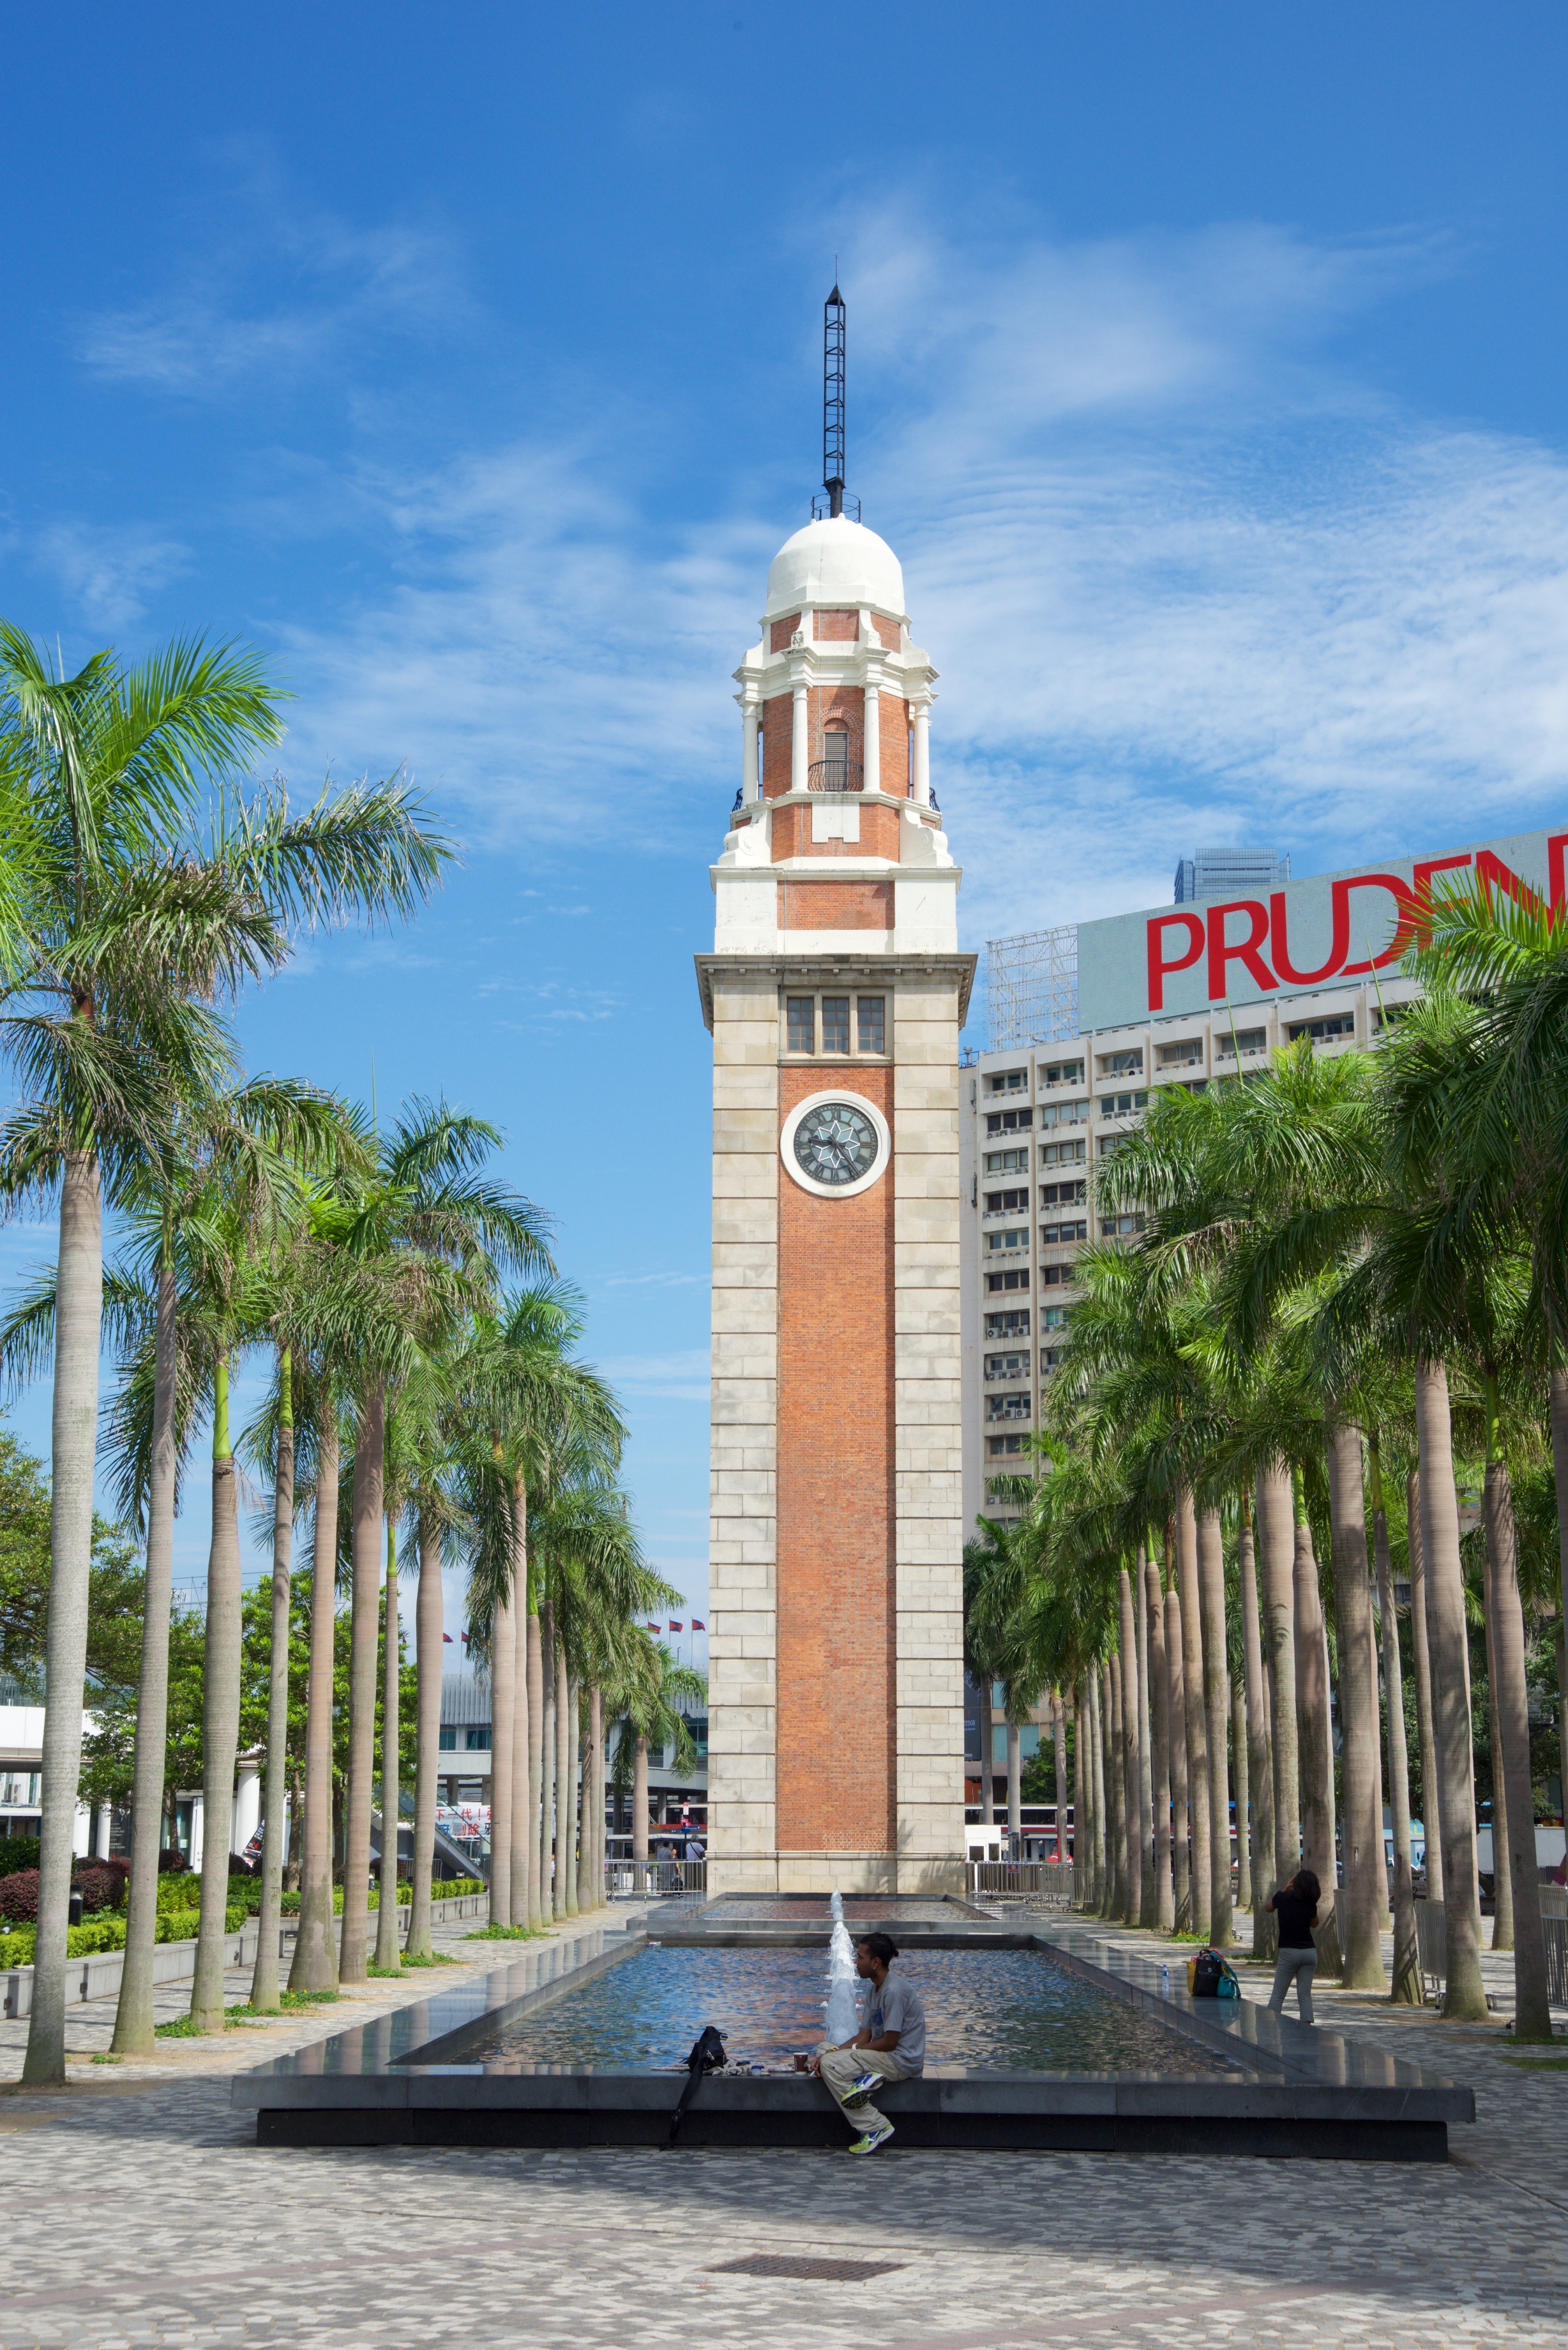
[1213,1977]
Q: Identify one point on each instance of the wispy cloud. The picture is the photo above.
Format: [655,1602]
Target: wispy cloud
[682,1376]
[110,573]
[1187,579]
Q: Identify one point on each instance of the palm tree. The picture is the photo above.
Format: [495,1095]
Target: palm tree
[652,1705]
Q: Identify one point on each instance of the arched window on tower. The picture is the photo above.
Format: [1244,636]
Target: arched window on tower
[835,758]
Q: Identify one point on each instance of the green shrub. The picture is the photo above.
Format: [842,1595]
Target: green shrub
[108,1933]
[17,1852]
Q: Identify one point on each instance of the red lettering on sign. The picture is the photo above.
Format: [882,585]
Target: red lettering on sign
[1493,873]
[1279,944]
[1403,924]
[1556,842]
[1421,890]
[1157,966]
[1222,951]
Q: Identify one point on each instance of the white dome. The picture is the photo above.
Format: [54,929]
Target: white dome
[837,562]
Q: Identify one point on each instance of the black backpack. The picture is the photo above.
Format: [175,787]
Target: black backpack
[706,2057]
[1208,1972]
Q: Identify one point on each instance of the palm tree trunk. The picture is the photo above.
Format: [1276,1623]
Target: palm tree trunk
[987,1756]
[1014,1776]
[639,1800]
[1130,1754]
[1380,1801]
[1146,1899]
[1407,1989]
[133,2033]
[593,1896]
[536,1758]
[1557,1390]
[1104,1848]
[565,1753]
[269,1924]
[502,1695]
[1059,1769]
[1196,1721]
[1276,1531]
[1420,1652]
[1260,1838]
[386,1954]
[548,1887]
[1216,1706]
[1314,1739]
[314,1963]
[1502,1882]
[1464,1993]
[220,1717]
[523,1838]
[369,1473]
[1364,1863]
[1116,1785]
[1243,1787]
[1160,1784]
[1176,1706]
[78,1320]
[1531,1996]
[583,1709]
[1082,1866]
[428,1666]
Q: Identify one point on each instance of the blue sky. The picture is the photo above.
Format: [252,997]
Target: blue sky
[1206,369]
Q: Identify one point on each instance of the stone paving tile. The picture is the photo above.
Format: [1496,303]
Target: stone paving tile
[146,2214]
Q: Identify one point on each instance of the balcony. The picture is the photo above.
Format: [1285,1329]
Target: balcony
[835,775]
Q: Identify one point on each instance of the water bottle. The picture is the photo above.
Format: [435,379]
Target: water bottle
[1164,1983]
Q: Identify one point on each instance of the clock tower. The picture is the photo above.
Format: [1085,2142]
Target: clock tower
[834,994]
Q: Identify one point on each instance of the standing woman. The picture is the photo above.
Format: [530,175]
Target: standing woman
[1295,1907]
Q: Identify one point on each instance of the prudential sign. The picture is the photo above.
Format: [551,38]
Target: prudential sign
[1335,927]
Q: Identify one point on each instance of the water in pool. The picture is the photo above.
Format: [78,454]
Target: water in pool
[992,2011]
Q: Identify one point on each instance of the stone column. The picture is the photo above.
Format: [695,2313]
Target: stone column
[923,754]
[750,789]
[871,775]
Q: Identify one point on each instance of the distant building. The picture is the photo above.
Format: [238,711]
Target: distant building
[1230,873]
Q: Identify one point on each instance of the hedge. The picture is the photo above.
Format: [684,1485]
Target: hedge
[17,1852]
[85,1941]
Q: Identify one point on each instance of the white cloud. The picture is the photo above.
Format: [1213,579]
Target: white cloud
[110,573]
[682,1376]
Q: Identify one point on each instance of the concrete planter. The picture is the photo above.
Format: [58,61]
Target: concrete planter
[99,1976]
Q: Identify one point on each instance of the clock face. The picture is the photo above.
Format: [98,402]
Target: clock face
[835,1143]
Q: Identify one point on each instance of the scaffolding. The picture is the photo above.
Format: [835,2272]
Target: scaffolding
[1032,989]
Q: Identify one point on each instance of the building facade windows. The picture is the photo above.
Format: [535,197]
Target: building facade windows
[1119,1228]
[447,1739]
[1063,1073]
[1014,1366]
[1073,1113]
[1053,1316]
[1049,1358]
[1008,1081]
[1008,1162]
[1007,1407]
[998,1446]
[1053,1277]
[1008,1121]
[1013,1323]
[1244,1040]
[1052,1235]
[1127,1063]
[1063,1154]
[1016,1238]
[835,1024]
[1122,1105]
[1007,1204]
[1324,1031]
[871,1023]
[478,1739]
[801,1014]
[1013,1278]
[1185,1054]
[1063,1195]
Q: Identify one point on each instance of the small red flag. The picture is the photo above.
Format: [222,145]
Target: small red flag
[674,1625]
[698,1625]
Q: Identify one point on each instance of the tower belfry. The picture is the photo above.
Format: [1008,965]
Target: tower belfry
[834,994]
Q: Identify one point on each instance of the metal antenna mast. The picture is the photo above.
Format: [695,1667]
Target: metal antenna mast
[833,400]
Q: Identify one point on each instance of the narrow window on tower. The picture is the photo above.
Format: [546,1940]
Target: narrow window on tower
[835,1024]
[871,1012]
[802,1023]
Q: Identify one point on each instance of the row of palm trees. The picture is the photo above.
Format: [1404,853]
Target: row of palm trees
[1342,1269]
[424,1383]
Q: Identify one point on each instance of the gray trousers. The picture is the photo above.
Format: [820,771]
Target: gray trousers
[1302,1965]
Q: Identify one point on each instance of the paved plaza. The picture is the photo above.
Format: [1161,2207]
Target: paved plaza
[140,2209]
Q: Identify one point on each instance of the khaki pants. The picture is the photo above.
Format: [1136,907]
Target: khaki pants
[840,2069]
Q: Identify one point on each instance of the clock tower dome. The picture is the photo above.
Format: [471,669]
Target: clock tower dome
[834,994]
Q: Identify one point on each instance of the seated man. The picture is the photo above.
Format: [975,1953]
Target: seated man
[890,2046]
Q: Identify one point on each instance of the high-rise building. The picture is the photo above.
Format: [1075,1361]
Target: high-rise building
[834,994]
[1230,873]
